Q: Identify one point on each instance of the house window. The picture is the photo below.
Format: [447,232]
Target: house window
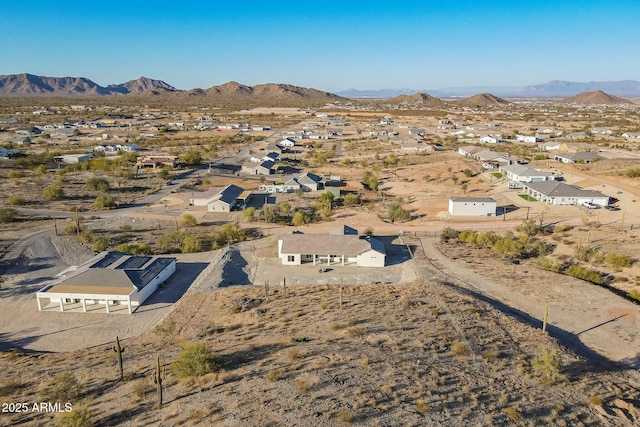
[291,258]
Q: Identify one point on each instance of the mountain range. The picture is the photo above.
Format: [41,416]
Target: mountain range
[20,85]
[552,89]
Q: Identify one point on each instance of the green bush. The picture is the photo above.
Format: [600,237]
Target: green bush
[53,192]
[584,253]
[548,365]
[300,218]
[397,213]
[448,233]
[80,416]
[618,260]
[8,215]
[351,199]
[190,244]
[98,184]
[188,220]
[549,264]
[584,274]
[104,201]
[633,173]
[135,248]
[15,200]
[194,360]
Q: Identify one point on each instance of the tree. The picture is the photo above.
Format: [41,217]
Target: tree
[191,158]
[370,180]
[188,220]
[300,218]
[269,213]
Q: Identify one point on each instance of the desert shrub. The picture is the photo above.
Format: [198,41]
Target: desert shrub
[142,388]
[548,365]
[63,387]
[634,294]
[467,236]
[351,199]
[274,375]
[633,172]
[188,220]
[167,327]
[584,252]
[16,200]
[486,239]
[8,215]
[194,360]
[345,416]
[101,243]
[618,260]
[397,213]
[72,227]
[269,214]
[284,207]
[53,192]
[422,407]
[98,184]
[135,248]
[368,231]
[549,264]
[448,233]
[459,348]
[584,274]
[104,201]
[80,416]
[513,413]
[190,244]
[172,242]
[562,228]
[15,174]
[529,227]
[229,234]
[191,158]
[595,400]
[249,213]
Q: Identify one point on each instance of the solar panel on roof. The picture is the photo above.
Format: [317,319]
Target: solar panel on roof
[134,263]
[108,259]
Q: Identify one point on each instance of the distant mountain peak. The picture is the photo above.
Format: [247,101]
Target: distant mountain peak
[596,97]
[482,100]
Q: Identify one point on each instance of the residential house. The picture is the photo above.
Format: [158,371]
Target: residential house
[155,161]
[472,206]
[110,280]
[411,144]
[306,181]
[220,199]
[341,247]
[490,139]
[579,157]
[469,150]
[561,194]
[601,131]
[263,168]
[631,135]
[576,147]
[518,174]
[527,138]
[286,142]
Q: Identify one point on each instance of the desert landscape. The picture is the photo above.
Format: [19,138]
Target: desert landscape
[449,331]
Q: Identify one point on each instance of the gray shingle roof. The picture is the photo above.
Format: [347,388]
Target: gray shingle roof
[559,189]
[328,244]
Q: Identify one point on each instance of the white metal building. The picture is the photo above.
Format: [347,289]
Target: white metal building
[472,206]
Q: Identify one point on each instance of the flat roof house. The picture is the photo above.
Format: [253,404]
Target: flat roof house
[342,246]
[523,173]
[472,206]
[109,280]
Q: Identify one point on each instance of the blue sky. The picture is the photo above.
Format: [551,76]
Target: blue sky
[328,45]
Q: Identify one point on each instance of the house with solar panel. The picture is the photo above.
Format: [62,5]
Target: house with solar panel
[109,282]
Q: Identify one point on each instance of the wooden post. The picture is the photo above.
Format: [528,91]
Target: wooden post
[77,223]
[266,289]
[546,317]
[119,350]
[158,378]
[284,285]
[340,295]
